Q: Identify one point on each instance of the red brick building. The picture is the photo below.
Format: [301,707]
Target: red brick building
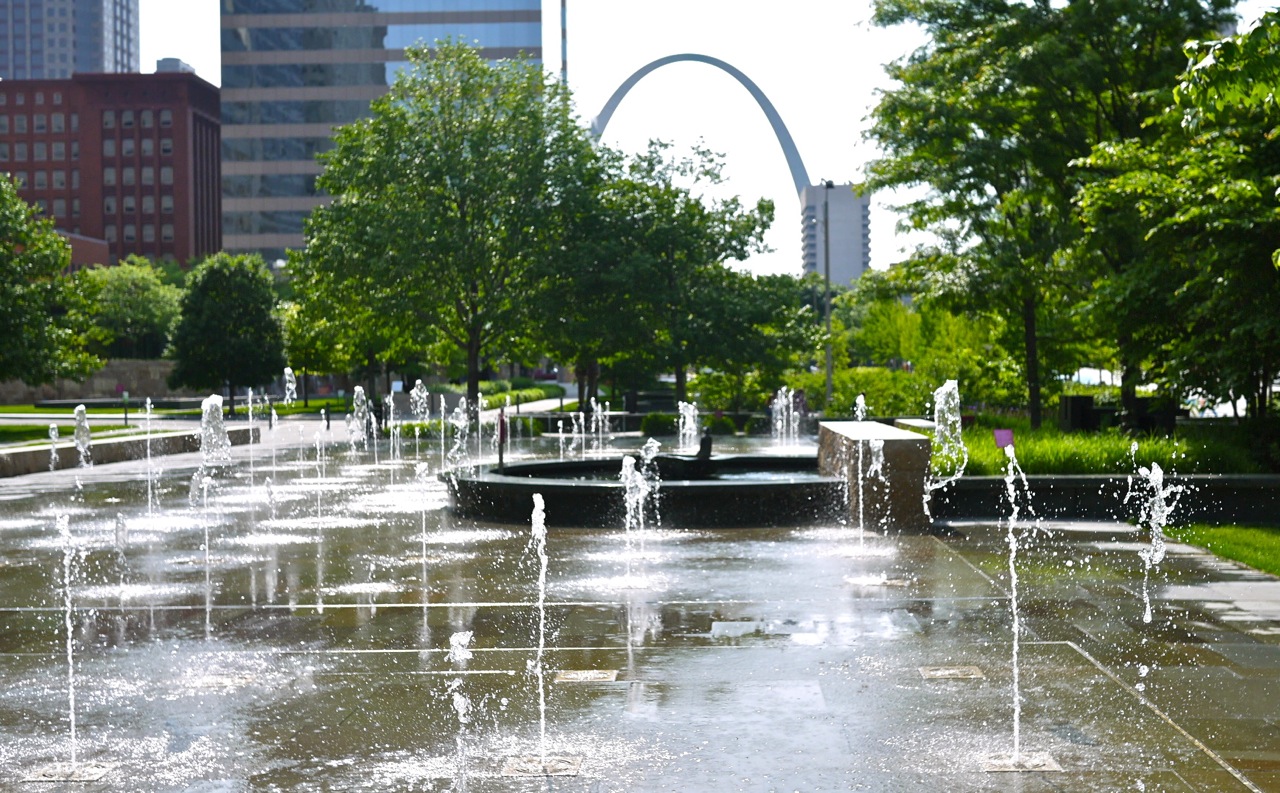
[132,159]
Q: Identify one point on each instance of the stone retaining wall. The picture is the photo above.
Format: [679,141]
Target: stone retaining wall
[141,378]
[34,459]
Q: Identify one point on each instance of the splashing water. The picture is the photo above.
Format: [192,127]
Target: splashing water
[948,454]
[1155,513]
[83,437]
[538,540]
[290,387]
[70,556]
[358,419]
[1014,475]
[419,401]
[786,421]
[688,426]
[215,445]
[53,447]
[860,408]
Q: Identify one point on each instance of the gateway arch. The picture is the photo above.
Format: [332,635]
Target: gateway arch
[798,173]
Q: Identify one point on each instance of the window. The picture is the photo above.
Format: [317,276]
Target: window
[108,119]
[20,178]
[129,176]
[147,118]
[109,205]
[20,124]
[108,147]
[57,95]
[166,204]
[59,180]
[109,177]
[4,125]
[109,233]
[166,175]
[20,98]
[4,152]
[126,147]
[75,149]
[126,119]
[39,123]
[4,100]
[166,232]
[59,149]
[166,118]
[75,208]
[148,175]
[60,207]
[20,152]
[166,146]
[129,205]
[39,97]
[75,179]
[148,147]
[130,232]
[58,122]
[39,151]
[75,122]
[148,232]
[148,205]
[42,180]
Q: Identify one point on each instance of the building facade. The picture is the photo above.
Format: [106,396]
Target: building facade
[849,217]
[131,159]
[53,39]
[292,70]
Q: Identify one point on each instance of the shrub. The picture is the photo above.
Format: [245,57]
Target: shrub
[659,424]
[758,425]
[720,425]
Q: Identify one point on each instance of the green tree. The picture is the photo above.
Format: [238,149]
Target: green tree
[129,308]
[442,199]
[312,344]
[1196,208]
[42,341]
[990,114]
[228,334]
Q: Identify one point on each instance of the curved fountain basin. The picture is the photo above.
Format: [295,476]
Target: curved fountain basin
[743,491]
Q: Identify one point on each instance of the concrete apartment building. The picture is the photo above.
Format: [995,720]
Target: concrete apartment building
[292,70]
[849,218]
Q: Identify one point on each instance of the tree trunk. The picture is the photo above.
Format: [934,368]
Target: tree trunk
[305,403]
[1130,373]
[473,376]
[231,399]
[1033,360]
[682,383]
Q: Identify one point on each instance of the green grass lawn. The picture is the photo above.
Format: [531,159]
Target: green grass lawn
[29,434]
[1051,451]
[1257,547]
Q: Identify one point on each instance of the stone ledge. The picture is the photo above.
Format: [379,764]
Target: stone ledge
[894,503]
[35,459]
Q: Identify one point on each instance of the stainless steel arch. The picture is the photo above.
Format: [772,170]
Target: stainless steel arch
[798,173]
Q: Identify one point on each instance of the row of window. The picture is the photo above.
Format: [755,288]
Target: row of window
[20,98]
[268,186]
[366,6]
[322,111]
[130,175]
[129,146]
[58,207]
[112,233]
[517,35]
[256,149]
[43,180]
[40,151]
[274,222]
[40,123]
[143,118]
[129,204]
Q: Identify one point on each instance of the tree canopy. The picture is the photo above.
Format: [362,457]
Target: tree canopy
[441,203]
[228,334]
[129,309]
[41,339]
[989,116]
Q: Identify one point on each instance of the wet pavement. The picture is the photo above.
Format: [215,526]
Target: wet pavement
[306,646]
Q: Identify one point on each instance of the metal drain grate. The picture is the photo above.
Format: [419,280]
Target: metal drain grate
[951,673]
[586,675]
[1023,763]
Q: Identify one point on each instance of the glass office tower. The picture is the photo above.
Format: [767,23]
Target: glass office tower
[292,70]
[52,39]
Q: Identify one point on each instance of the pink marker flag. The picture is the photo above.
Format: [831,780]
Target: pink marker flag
[1003,438]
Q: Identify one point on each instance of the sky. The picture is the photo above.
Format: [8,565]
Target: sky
[820,62]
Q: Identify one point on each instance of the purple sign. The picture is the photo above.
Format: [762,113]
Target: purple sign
[1003,438]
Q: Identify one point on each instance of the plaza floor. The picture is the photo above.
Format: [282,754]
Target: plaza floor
[286,624]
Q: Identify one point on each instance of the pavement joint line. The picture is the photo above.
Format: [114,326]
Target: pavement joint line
[994,584]
[1138,695]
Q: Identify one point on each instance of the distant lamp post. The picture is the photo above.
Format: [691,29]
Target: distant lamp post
[826,272]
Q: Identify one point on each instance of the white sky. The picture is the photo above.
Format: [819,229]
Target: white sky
[818,61]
